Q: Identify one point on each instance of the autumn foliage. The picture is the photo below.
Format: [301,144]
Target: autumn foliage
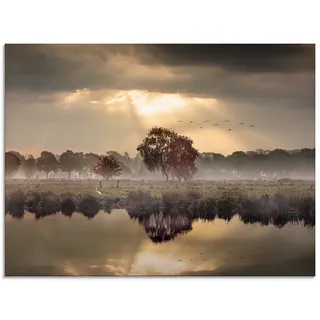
[172,154]
[107,167]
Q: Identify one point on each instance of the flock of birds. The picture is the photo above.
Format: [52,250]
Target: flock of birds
[216,124]
[201,253]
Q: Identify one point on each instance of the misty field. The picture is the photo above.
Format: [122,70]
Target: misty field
[206,188]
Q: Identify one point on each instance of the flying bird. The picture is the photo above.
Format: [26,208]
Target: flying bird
[226,121]
[241,123]
[252,126]
[216,124]
[230,130]
[179,121]
[191,121]
[200,127]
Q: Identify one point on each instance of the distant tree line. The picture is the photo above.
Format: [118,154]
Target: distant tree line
[261,163]
[164,152]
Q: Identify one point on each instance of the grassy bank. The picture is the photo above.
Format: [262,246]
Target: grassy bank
[277,208]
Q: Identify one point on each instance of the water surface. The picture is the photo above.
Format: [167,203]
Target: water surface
[114,244]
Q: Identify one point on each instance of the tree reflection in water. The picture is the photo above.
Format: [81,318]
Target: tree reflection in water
[162,226]
[164,220]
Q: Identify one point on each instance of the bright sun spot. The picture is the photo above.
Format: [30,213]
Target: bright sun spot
[149,104]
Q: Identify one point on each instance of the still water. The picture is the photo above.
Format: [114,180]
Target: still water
[113,244]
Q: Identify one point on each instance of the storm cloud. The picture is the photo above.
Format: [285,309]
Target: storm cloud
[252,82]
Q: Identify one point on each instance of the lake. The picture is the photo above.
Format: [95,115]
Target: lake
[113,245]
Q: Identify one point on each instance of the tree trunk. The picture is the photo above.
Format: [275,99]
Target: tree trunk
[69,172]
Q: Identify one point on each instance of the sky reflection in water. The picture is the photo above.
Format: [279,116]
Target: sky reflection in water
[113,244]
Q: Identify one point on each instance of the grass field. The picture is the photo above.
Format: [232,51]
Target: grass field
[109,189]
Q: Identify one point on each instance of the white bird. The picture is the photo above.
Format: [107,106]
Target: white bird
[98,191]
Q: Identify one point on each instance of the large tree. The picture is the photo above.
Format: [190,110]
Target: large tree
[181,158]
[67,161]
[165,151]
[12,164]
[89,161]
[107,167]
[29,166]
[79,162]
[47,162]
[72,161]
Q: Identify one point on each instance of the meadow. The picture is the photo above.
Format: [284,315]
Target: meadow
[207,188]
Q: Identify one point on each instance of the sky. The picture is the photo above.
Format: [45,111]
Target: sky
[94,98]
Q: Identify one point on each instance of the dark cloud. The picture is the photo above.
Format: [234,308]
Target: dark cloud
[52,68]
[234,57]
[203,69]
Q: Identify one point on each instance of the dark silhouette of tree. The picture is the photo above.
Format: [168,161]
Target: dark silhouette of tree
[79,162]
[47,162]
[71,161]
[12,164]
[124,159]
[29,166]
[279,160]
[107,167]
[163,149]
[67,161]
[154,149]
[89,161]
[239,161]
[181,158]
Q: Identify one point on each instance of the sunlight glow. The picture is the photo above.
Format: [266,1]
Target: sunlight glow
[147,262]
[75,95]
[149,104]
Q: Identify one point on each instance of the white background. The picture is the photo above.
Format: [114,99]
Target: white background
[157,22]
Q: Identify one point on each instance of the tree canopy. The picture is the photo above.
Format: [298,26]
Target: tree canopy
[12,164]
[71,161]
[29,166]
[47,162]
[107,167]
[165,151]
